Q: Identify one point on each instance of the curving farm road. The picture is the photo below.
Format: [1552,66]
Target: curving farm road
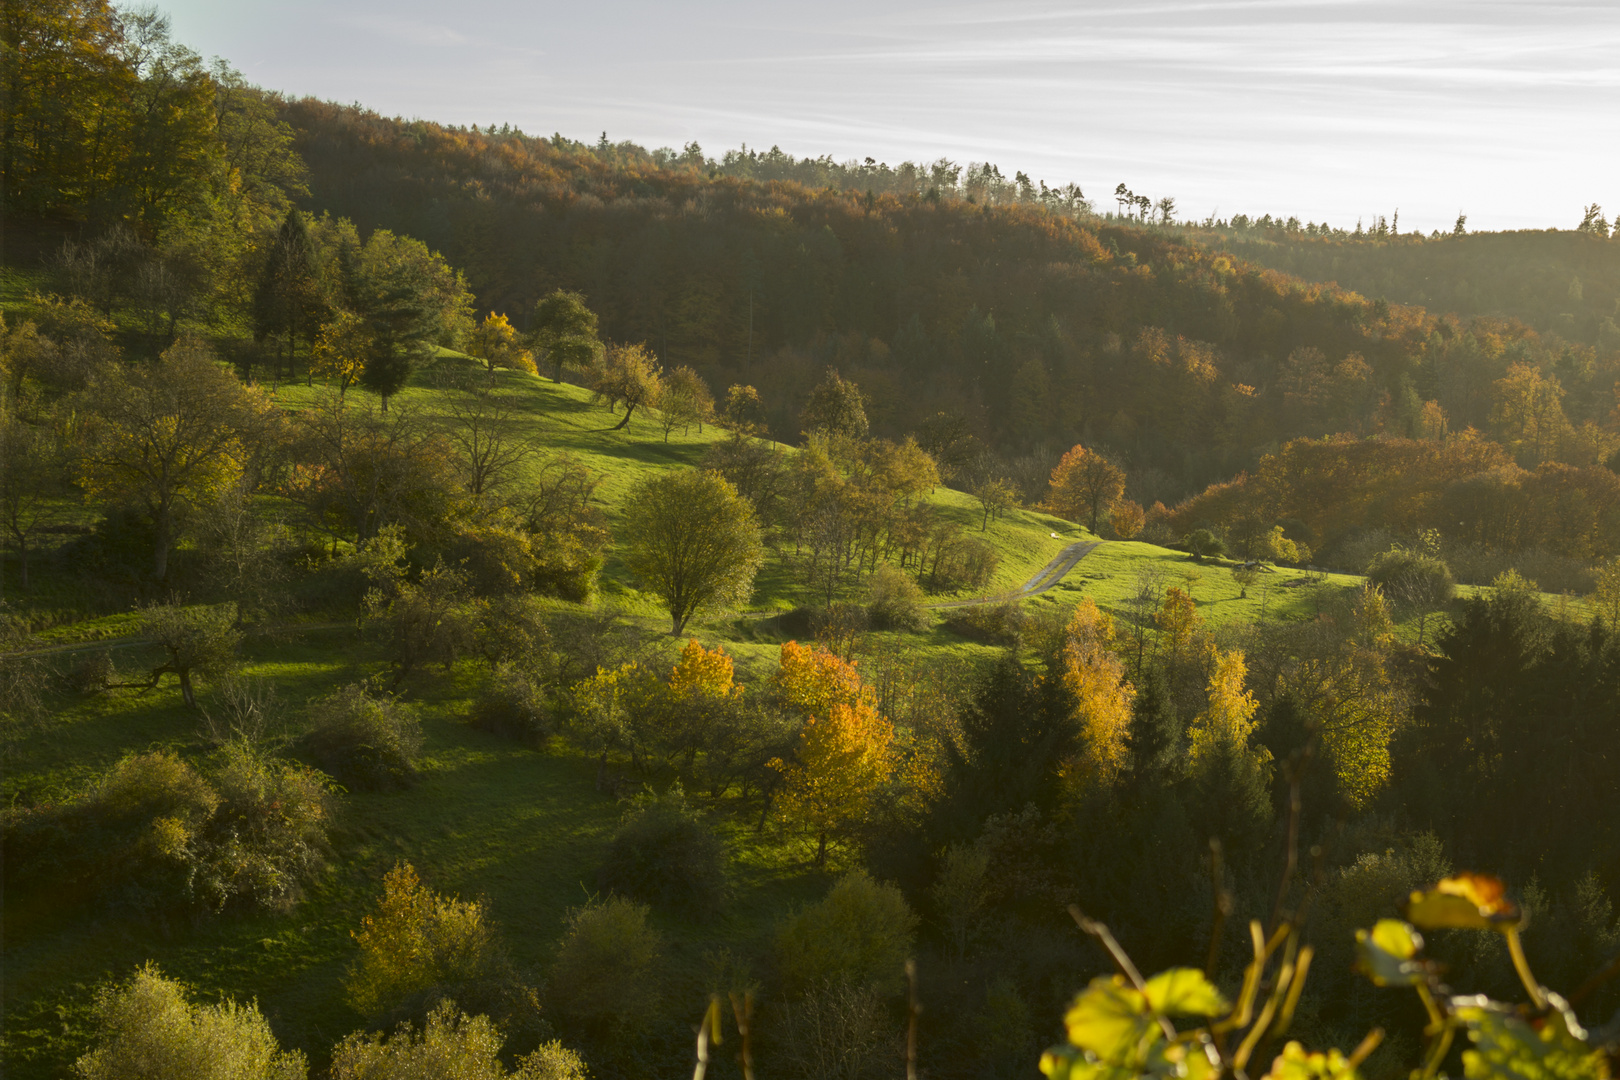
[1050,574]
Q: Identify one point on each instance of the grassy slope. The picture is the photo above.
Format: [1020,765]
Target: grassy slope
[524,829]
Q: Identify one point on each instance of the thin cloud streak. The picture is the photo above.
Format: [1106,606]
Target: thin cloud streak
[1328,109]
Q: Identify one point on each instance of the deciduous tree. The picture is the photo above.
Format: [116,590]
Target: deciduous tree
[692,542]
[565,332]
[1095,678]
[1085,485]
[167,437]
[495,342]
[627,373]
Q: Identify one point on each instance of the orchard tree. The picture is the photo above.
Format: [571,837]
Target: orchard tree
[1085,485]
[340,350]
[565,332]
[1094,676]
[628,373]
[167,438]
[684,400]
[692,541]
[845,752]
[495,342]
[836,407]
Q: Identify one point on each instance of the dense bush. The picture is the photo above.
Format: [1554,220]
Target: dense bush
[268,836]
[154,835]
[995,624]
[363,739]
[126,841]
[512,703]
[147,1029]
[450,1046]
[1204,544]
[1412,577]
[966,563]
[860,934]
[664,854]
[603,976]
[894,601]
[419,949]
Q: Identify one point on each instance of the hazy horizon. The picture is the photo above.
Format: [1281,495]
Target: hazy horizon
[1325,110]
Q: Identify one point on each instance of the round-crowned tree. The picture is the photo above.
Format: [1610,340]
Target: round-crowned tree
[693,542]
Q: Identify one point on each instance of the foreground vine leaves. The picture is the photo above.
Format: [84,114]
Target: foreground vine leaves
[1121,1027]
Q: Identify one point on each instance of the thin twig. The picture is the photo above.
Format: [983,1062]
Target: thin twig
[1121,960]
[710,1025]
[743,1010]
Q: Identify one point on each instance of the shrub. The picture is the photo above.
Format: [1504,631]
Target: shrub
[512,703]
[512,630]
[147,1028]
[451,1046]
[861,934]
[153,834]
[419,950]
[268,835]
[894,601]
[603,974]
[838,1032]
[966,563]
[665,855]
[365,740]
[1204,544]
[996,624]
[1412,577]
[127,840]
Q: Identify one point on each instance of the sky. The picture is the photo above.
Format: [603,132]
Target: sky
[1506,110]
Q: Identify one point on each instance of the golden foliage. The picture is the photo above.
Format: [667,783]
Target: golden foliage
[1102,696]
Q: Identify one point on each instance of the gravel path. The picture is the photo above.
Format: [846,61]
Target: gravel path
[1050,574]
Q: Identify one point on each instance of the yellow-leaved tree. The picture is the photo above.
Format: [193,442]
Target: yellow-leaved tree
[495,342]
[341,349]
[845,752]
[1102,696]
[1348,699]
[1228,718]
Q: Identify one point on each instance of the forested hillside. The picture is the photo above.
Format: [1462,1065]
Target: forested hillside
[1041,325]
[1562,281]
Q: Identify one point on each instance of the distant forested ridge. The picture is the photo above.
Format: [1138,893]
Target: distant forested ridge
[1562,281]
[1037,321]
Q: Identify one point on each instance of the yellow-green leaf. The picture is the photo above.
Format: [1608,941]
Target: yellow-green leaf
[1110,1019]
[1467,901]
[1296,1063]
[1508,1047]
[1386,954]
[1185,992]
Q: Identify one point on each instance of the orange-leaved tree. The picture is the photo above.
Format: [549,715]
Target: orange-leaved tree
[1102,696]
[846,748]
[1085,485]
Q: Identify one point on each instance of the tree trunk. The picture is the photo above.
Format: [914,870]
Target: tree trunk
[821,850]
[163,520]
[186,692]
[629,411]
